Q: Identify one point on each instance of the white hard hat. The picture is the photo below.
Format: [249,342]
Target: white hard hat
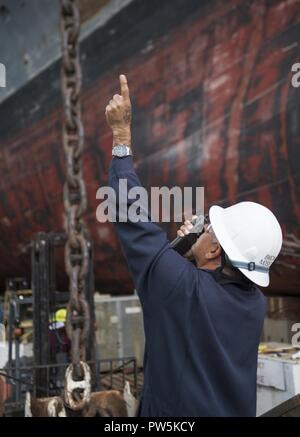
[251,237]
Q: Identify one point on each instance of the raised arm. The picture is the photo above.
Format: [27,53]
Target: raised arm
[155,267]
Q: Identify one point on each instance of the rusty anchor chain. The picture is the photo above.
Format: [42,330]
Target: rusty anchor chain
[78,378]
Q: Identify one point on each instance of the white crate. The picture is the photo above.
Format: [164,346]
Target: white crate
[278,379]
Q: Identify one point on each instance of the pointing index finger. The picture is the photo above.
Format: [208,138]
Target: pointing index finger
[124,86]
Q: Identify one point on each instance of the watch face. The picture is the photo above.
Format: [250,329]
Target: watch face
[120,150]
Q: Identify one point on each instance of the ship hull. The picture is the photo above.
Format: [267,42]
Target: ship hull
[213,106]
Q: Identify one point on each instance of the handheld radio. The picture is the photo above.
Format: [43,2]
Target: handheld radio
[183,244]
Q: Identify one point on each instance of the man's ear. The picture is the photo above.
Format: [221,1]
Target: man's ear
[215,251]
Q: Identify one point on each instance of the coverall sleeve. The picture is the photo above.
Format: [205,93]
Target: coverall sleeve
[154,266]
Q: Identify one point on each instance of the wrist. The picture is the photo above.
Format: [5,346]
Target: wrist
[122,136]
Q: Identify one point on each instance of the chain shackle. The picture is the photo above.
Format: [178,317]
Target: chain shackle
[77,393]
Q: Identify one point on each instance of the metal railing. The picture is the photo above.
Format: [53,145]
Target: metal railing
[107,374]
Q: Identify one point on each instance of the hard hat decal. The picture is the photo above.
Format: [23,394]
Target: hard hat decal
[267,260]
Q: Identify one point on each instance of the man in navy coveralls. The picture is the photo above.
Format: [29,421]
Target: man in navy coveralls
[203,313]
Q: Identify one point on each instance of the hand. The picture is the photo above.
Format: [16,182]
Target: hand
[118,114]
[185,230]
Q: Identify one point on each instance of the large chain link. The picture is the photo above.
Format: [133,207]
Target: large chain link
[74,194]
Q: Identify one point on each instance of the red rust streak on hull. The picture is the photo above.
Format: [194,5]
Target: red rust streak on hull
[236,116]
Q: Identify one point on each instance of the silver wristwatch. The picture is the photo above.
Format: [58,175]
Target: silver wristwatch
[121,150]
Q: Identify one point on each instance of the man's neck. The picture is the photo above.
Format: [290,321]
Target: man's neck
[210,265]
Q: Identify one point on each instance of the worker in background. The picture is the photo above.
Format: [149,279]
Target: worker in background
[202,319]
[59,319]
[59,341]
[60,346]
